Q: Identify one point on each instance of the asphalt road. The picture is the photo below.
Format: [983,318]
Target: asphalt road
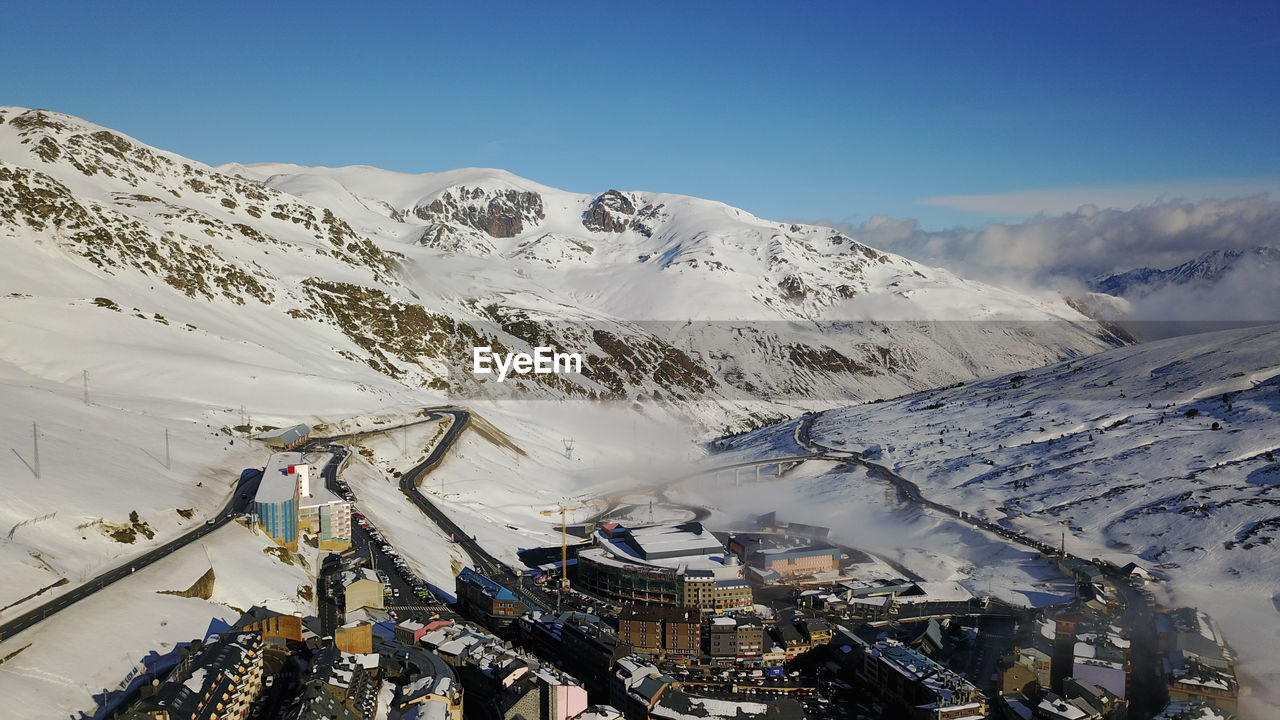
[241,501]
[238,504]
[1148,692]
[481,560]
[910,492]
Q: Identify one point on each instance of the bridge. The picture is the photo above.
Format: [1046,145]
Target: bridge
[780,465]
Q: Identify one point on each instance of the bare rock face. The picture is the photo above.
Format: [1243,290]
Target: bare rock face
[609,212]
[793,288]
[613,211]
[497,213]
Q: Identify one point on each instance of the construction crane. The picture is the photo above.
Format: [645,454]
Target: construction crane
[564,528]
[564,538]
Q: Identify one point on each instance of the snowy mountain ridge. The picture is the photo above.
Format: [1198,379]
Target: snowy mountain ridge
[200,304]
[802,269]
[403,274]
[1206,268]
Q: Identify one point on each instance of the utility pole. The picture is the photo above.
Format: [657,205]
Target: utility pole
[85,376]
[167,466]
[564,551]
[35,440]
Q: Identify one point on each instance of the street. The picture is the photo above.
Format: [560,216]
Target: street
[240,501]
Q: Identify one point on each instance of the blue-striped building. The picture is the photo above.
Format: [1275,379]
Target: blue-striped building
[276,503]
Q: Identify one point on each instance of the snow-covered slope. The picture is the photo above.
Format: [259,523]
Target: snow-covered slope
[200,303]
[647,256]
[393,277]
[793,313]
[1167,453]
[197,301]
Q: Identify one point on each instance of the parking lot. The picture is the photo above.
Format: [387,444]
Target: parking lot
[404,589]
[406,594]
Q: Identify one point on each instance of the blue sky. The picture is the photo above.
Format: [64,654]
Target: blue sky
[952,113]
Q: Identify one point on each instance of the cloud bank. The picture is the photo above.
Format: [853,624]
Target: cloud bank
[1063,252]
[1084,243]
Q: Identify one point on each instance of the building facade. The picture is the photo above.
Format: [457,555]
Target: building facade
[665,632]
[218,678]
[361,588]
[277,501]
[904,675]
[679,566]
[796,562]
[487,599]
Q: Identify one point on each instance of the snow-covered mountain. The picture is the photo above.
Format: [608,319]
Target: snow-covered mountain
[668,297]
[190,299]
[148,297]
[1166,453]
[1204,270]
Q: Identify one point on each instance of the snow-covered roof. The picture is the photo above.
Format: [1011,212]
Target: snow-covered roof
[277,484]
[286,435]
[665,541]
[354,575]
[941,681]
[1055,707]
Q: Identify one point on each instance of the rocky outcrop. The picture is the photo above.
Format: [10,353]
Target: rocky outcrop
[613,211]
[201,588]
[609,212]
[497,213]
[793,288]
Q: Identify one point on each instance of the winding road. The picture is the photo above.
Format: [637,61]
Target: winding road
[484,563]
[240,502]
[908,490]
[482,560]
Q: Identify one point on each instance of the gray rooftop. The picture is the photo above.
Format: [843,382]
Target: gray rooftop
[277,485]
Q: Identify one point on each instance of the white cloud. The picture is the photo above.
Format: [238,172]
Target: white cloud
[1082,244]
[1063,252]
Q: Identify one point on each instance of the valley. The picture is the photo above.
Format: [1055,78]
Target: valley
[997,459]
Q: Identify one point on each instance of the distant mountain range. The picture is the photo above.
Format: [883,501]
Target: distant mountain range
[1204,270]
